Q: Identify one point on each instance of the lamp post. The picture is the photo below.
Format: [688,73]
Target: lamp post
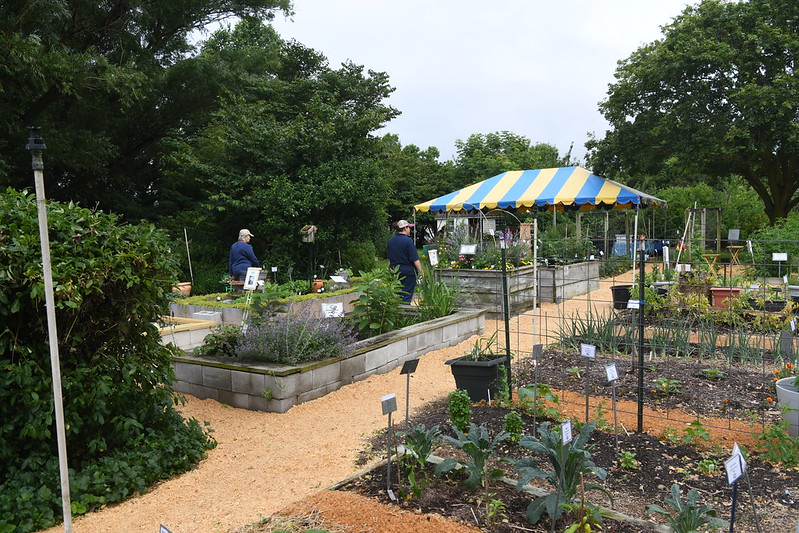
[36,146]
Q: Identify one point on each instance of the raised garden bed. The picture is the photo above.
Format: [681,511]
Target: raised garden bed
[277,388]
[483,288]
[230,314]
[187,333]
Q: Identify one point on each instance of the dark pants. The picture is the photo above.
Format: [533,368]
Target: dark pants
[408,280]
[239,276]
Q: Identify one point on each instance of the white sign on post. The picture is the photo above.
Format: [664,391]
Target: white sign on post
[566,431]
[735,465]
[779,256]
[588,350]
[433,256]
[251,279]
[611,372]
[733,468]
[633,304]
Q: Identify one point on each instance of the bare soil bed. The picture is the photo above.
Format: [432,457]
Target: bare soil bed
[661,464]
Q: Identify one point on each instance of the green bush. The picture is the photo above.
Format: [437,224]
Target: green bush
[111,283]
[459,407]
[361,256]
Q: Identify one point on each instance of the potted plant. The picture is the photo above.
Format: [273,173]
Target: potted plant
[478,372]
[788,401]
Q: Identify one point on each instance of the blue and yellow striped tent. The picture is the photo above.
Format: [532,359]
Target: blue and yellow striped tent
[544,189]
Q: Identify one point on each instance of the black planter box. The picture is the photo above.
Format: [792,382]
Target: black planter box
[477,378]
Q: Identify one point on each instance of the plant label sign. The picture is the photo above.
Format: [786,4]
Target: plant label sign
[779,256]
[251,279]
[611,372]
[389,403]
[333,310]
[432,255]
[588,350]
[566,432]
[633,304]
[733,468]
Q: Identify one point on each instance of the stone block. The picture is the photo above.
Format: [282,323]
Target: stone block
[234,399]
[326,374]
[218,378]
[188,372]
[353,366]
[248,382]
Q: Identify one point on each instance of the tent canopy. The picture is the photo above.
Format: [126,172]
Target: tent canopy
[543,189]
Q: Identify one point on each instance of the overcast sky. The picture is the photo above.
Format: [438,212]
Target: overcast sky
[537,68]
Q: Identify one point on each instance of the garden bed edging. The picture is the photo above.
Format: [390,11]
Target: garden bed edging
[482,288]
[277,388]
[228,315]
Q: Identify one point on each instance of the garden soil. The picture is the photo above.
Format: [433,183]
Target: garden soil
[266,463]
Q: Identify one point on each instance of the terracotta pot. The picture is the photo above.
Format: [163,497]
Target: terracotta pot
[317,285]
[183,288]
[721,296]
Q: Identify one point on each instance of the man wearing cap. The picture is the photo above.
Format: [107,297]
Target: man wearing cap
[241,256]
[402,254]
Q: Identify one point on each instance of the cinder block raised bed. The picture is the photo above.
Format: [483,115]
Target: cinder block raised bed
[482,289]
[277,388]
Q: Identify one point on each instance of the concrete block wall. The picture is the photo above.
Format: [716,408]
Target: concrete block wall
[276,388]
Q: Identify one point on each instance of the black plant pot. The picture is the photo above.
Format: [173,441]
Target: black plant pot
[477,378]
[770,306]
[621,295]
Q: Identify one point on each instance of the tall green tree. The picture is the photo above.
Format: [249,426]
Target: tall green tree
[109,85]
[482,156]
[413,175]
[717,95]
[292,143]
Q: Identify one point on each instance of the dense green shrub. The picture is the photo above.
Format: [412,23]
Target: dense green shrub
[111,283]
[361,256]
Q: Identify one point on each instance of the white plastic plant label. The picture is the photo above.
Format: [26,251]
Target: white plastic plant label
[588,350]
[611,372]
[566,431]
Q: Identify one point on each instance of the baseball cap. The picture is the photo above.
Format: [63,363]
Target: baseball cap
[403,224]
[245,233]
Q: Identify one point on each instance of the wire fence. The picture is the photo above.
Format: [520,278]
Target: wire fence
[682,351]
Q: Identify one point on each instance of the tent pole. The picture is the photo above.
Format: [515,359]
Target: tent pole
[535,270]
[641,303]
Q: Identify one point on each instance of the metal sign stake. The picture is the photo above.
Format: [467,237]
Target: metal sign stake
[408,368]
[389,405]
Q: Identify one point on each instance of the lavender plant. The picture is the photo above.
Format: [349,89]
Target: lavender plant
[293,338]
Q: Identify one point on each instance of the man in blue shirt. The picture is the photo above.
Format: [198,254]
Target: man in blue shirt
[402,253]
[241,256]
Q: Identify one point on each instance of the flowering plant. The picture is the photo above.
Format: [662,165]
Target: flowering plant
[788,370]
[286,338]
